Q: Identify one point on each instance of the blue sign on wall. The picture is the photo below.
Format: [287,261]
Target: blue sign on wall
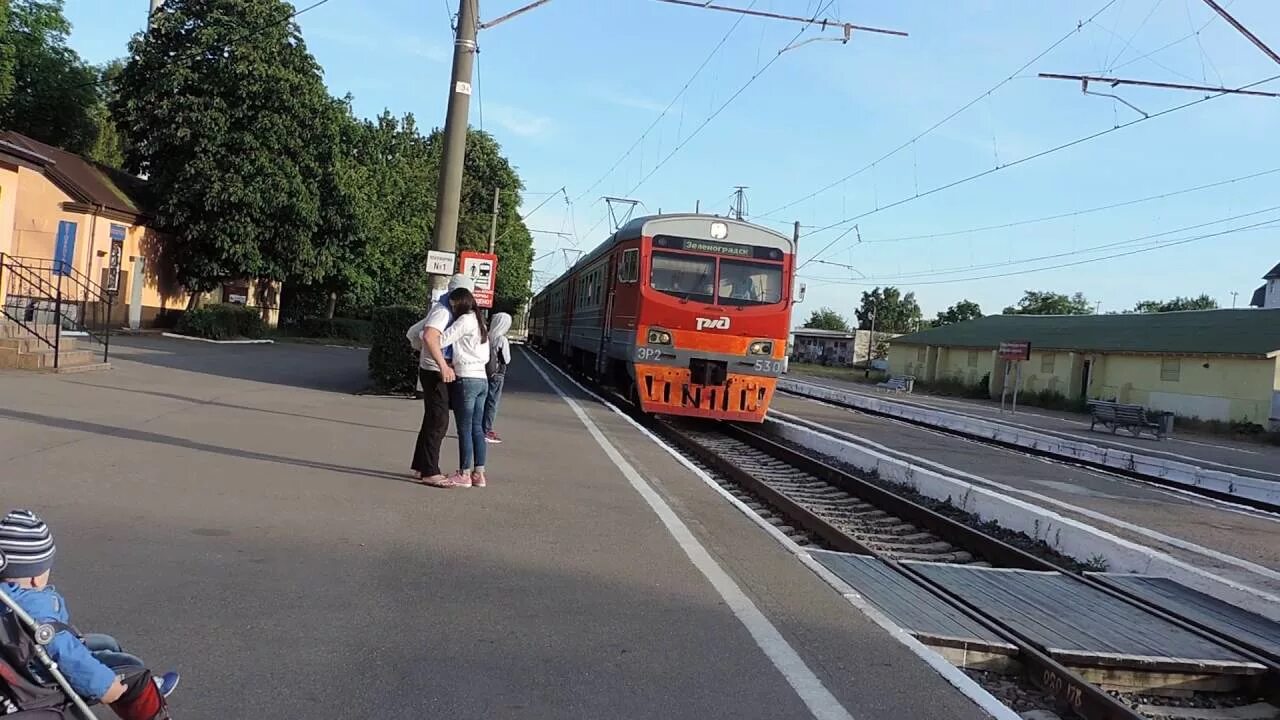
[117,233]
[64,252]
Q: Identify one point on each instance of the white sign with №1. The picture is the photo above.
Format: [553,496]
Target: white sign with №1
[439,262]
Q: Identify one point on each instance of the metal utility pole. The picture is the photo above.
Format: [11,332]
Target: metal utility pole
[1233,299]
[871,342]
[449,197]
[739,201]
[493,226]
[155,7]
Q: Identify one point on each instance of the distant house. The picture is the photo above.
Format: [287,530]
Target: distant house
[833,347]
[1211,364]
[59,210]
[1268,296]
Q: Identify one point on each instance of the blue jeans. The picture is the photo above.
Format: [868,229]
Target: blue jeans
[107,651]
[468,412]
[491,403]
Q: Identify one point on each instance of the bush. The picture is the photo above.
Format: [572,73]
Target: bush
[221,322]
[336,328]
[393,363]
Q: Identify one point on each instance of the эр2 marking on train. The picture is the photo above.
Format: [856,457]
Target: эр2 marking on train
[688,314]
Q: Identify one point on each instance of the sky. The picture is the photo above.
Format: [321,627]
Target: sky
[657,102]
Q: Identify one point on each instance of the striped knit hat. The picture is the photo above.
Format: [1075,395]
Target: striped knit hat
[27,545]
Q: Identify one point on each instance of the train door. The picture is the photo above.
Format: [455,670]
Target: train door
[606,330]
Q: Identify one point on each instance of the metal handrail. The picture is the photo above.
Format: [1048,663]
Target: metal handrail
[31,272]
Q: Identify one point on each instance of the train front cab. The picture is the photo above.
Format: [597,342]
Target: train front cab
[712,332]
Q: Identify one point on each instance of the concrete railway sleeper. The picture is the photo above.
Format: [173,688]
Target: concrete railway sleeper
[814,503]
[850,514]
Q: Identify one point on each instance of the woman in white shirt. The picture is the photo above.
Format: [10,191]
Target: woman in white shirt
[469,339]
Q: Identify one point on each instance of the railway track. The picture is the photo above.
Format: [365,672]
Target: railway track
[818,504]
[851,514]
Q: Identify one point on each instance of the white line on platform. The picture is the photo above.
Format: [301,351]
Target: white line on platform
[1093,514]
[812,692]
[949,672]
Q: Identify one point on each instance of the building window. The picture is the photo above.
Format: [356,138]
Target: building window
[1047,362]
[1170,369]
[920,353]
[973,358]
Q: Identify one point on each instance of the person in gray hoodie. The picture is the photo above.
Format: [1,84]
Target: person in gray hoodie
[499,358]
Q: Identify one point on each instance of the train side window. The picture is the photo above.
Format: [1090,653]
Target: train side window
[629,269]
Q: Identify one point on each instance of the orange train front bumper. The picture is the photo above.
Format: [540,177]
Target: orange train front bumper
[667,390]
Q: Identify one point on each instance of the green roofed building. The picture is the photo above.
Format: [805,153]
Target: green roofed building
[1211,364]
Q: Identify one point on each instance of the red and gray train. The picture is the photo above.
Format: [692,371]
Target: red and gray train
[687,313]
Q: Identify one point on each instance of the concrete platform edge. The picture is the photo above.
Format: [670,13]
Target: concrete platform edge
[953,675]
[1064,534]
[1179,473]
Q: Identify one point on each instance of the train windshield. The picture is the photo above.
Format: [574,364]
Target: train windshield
[688,277]
[749,283]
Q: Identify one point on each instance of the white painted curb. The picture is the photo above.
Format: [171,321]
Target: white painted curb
[1066,535]
[1179,473]
[218,342]
[962,682]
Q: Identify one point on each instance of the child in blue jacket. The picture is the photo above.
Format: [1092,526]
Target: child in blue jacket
[95,665]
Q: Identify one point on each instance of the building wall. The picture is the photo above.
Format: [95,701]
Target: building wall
[1056,376]
[1271,298]
[8,201]
[1228,389]
[37,209]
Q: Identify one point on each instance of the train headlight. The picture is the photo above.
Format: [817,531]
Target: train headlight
[659,337]
[760,347]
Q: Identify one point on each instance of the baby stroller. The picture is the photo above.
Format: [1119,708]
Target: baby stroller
[22,695]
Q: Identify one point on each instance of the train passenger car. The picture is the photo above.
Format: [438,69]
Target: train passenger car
[687,313]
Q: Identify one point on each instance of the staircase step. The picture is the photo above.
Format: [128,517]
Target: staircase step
[87,367]
[43,359]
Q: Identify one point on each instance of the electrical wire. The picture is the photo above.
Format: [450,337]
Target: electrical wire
[667,109]
[1028,158]
[1074,213]
[1263,225]
[1079,251]
[1079,26]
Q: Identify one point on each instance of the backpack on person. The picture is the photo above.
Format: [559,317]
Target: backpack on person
[496,365]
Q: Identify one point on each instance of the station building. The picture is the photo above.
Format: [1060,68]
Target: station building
[63,212]
[1209,364]
[833,347]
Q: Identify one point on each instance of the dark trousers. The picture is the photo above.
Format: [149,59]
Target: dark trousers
[435,423]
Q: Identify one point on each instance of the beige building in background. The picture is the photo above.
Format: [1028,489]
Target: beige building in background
[57,207]
[1208,364]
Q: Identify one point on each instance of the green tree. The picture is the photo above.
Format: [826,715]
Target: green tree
[1202,302]
[233,130]
[894,311]
[1035,302]
[47,91]
[960,312]
[827,319]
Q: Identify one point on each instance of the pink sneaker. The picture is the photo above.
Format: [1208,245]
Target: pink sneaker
[478,480]
[456,480]
[492,437]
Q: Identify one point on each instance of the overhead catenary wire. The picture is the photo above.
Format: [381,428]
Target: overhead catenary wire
[1073,213]
[1014,163]
[1079,26]
[1055,256]
[1263,225]
[667,109]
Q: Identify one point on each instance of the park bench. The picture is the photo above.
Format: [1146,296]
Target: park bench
[896,384]
[1133,418]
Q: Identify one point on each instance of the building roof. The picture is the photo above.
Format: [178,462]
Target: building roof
[85,181]
[1259,297]
[1275,273]
[816,332]
[1192,332]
